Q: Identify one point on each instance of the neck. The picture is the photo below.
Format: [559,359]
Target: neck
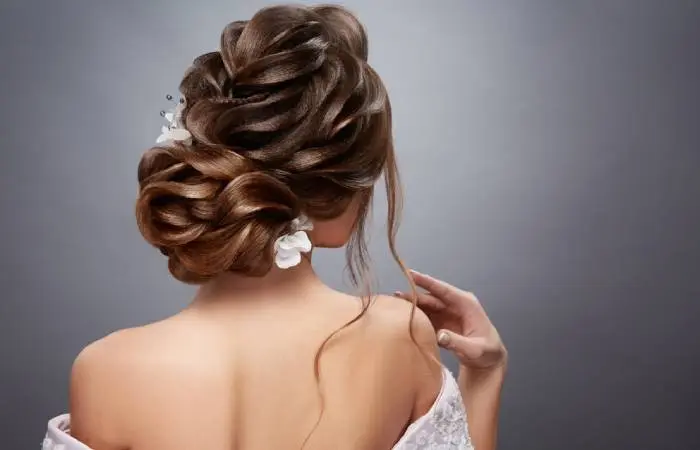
[273,285]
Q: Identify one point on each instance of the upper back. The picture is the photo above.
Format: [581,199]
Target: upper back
[245,379]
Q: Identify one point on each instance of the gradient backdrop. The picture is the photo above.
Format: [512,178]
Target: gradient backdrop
[551,155]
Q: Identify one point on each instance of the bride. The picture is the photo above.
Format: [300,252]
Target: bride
[273,149]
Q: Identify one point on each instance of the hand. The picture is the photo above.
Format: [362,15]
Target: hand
[461,323]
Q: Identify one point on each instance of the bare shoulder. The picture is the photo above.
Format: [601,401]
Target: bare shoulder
[395,316]
[416,351]
[118,359]
[422,355]
[134,376]
[99,391]
[106,357]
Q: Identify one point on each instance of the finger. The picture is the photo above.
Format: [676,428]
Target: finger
[444,291]
[402,295]
[451,296]
[424,300]
[466,349]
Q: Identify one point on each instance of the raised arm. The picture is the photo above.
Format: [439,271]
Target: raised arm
[464,328]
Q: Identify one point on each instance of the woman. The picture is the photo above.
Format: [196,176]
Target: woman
[274,149]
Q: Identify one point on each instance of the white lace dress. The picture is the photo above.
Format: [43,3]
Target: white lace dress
[443,427]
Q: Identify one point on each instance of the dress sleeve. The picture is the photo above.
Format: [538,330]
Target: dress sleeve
[444,426]
[58,436]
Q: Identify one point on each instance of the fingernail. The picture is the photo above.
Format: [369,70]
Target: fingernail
[397,294]
[443,338]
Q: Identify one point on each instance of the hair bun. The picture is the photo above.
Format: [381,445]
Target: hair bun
[210,211]
[287,116]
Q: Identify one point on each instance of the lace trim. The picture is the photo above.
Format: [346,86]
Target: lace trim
[444,426]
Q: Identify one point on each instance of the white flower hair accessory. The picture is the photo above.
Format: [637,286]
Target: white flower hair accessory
[290,246]
[175,131]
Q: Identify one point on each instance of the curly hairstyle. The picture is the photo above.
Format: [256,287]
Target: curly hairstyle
[286,117]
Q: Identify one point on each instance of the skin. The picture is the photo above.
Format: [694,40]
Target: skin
[465,329]
[235,369]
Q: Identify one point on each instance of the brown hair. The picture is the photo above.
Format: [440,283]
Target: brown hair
[286,117]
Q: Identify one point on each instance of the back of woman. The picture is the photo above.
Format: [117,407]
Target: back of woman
[273,148]
[240,376]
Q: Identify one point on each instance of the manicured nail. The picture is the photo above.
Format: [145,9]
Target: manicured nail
[443,338]
[397,293]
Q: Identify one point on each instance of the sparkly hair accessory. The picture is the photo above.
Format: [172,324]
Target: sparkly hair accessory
[290,246]
[175,130]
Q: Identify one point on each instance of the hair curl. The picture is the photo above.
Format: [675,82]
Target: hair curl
[286,117]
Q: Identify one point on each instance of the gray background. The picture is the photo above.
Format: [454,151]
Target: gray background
[550,151]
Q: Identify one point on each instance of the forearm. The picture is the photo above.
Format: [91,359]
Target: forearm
[481,392]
